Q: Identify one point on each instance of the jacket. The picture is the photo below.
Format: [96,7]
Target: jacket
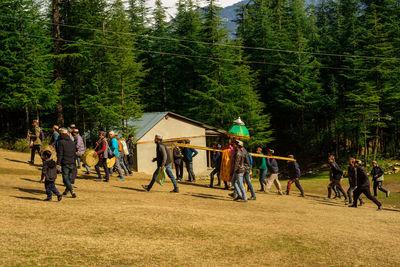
[101,149]
[362,178]
[246,157]
[261,163]
[125,150]
[177,153]
[189,154]
[238,162]
[217,159]
[54,139]
[131,151]
[377,172]
[163,158]
[49,170]
[114,146]
[36,137]
[66,152]
[80,146]
[351,172]
[272,165]
[336,172]
[293,170]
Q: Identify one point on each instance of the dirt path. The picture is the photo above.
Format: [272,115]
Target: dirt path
[119,224]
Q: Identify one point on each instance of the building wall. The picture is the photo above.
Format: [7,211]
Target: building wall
[171,128]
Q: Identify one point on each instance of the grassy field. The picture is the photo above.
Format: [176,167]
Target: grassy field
[120,224]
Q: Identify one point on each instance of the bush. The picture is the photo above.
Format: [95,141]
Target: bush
[21,145]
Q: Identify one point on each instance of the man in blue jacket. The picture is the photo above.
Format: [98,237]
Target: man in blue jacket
[114,148]
[188,155]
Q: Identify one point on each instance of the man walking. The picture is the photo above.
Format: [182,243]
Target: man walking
[294,176]
[114,146]
[54,137]
[247,172]
[163,162]
[66,154]
[363,186]
[216,158]
[238,172]
[131,152]
[261,165]
[35,140]
[273,177]
[178,161]
[101,151]
[351,172]
[189,154]
[377,176]
[336,174]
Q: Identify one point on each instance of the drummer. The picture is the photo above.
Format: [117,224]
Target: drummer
[101,151]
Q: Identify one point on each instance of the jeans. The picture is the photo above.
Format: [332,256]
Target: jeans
[378,185]
[189,168]
[262,180]
[237,182]
[78,160]
[350,192]
[215,171]
[297,183]
[179,170]
[33,150]
[102,163]
[67,171]
[249,184]
[51,188]
[169,173]
[338,185]
[123,166]
[117,165]
[366,191]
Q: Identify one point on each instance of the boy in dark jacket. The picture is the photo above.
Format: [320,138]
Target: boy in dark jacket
[49,174]
[363,186]
[377,176]
[66,154]
[336,174]
[294,175]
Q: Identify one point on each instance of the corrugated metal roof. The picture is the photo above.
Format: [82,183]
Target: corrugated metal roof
[145,123]
[150,119]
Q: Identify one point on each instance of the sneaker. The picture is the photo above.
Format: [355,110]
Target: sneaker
[87,173]
[242,200]
[130,174]
[302,195]
[121,179]
[380,207]
[59,197]
[327,198]
[237,198]
[210,186]
[351,203]
[352,206]
[361,203]
[387,193]
[145,187]
[218,185]
[234,195]
[98,180]
[47,199]
[287,193]
[280,193]
[73,195]
[176,190]
[252,198]
[194,180]
[65,192]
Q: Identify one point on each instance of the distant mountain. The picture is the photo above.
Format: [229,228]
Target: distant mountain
[229,15]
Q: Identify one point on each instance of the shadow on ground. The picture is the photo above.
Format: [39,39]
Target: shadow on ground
[130,188]
[31,191]
[207,196]
[28,198]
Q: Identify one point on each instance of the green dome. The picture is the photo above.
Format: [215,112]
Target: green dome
[239,131]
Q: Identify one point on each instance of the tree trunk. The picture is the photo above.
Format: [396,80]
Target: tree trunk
[57,51]
[27,118]
[122,105]
[365,138]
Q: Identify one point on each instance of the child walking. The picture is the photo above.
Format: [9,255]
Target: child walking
[49,174]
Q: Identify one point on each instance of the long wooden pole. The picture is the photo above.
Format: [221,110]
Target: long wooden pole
[219,150]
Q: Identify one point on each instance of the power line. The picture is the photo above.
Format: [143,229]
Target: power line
[194,56]
[214,44]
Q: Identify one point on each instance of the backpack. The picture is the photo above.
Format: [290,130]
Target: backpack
[119,146]
[41,136]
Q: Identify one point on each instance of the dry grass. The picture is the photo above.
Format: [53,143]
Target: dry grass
[119,224]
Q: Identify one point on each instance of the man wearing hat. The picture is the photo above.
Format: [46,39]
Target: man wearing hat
[238,172]
[35,141]
[66,154]
[164,161]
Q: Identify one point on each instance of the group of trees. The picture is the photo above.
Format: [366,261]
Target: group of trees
[310,78]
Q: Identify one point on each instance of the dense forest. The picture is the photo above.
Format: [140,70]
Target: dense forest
[309,78]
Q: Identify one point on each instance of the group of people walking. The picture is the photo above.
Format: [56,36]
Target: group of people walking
[70,147]
[358,182]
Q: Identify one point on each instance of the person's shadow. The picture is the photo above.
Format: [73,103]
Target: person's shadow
[130,188]
[28,198]
[20,161]
[30,191]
